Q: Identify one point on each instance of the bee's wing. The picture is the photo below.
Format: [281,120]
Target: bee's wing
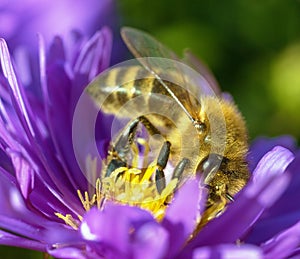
[191,60]
[142,44]
[162,62]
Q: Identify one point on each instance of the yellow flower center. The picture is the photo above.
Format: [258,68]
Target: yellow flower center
[129,186]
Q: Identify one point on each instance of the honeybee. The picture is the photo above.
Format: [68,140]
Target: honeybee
[210,127]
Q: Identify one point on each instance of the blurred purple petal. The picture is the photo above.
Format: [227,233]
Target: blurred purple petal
[23,19]
[283,244]
[70,253]
[262,145]
[11,240]
[273,163]
[284,213]
[94,58]
[107,232]
[151,241]
[228,252]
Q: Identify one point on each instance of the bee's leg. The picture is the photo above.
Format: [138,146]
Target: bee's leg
[120,150]
[161,164]
[162,160]
[229,197]
[179,169]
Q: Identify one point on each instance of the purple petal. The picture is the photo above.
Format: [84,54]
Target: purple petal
[150,241]
[24,174]
[283,244]
[263,145]
[99,228]
[95,56]
[181,216]
[249,204]
[283,214]
[273,163]
[15,217]
[228,252]
[102,226]
[13,240]
[69,252]
[228,97]
[24,113]
[57,90]
[20,103]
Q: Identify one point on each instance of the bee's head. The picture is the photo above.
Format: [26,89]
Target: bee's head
[211,169]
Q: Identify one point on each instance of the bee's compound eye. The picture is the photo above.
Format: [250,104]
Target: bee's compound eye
[209,166]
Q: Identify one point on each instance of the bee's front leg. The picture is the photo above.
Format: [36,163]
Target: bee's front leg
[120,149]
[161,164]
[179,169]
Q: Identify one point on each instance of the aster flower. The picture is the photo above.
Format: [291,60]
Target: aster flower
[46,206]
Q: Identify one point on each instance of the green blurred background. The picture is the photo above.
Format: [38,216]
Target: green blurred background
[252,47]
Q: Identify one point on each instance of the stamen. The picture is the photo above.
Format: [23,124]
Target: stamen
[86,201]
[69,220]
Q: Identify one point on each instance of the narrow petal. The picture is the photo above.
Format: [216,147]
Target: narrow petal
[283,214]
[11,240]
[9,73]
[24,174]
[181,216]
[273,164]
[263,145]
[70,253]
[283,244]
[95,55]
[228,252]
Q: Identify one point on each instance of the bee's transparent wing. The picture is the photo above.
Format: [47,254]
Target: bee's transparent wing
[164,63]
[190,59]
[142,44]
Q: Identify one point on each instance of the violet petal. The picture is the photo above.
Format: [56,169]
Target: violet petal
[11,240]
[228,252]
[180,218]
[24,174]
[283,244]
[150,241]
[283,214]
[260,146]
[96,50]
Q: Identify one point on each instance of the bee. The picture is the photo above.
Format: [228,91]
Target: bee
[209,126]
